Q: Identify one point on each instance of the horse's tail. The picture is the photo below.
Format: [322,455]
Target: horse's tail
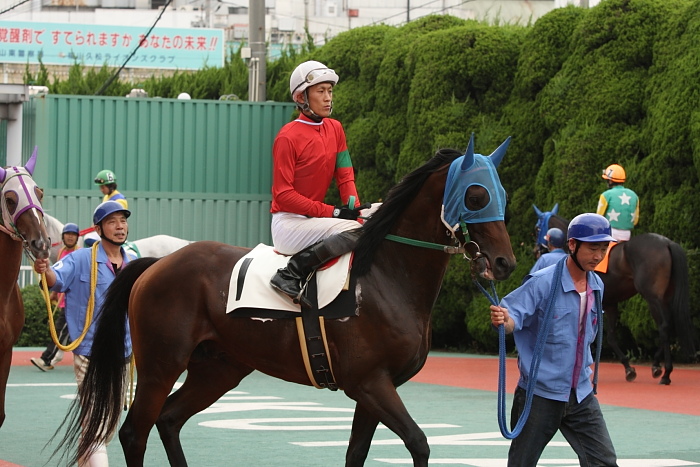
[680,302]
[94,414]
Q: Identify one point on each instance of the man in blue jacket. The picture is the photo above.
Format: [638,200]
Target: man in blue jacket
[72,275]
[563,395]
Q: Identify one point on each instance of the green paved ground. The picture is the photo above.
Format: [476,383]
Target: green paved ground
[268,422]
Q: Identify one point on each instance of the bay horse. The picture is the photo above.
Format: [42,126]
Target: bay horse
[177,313]
[656,268]
[21,228]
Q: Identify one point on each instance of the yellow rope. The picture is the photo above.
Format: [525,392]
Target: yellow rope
[90,307]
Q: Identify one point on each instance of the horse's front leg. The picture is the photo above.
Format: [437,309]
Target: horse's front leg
[379,400]
[611,314]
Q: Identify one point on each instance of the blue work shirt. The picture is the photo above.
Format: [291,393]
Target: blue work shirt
[547,259]
[73,279]
[527,306]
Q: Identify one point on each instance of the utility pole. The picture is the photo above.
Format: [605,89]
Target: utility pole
[408,11]
[257,81]
[584,3]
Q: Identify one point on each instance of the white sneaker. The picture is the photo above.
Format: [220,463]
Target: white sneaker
[58,358]
[41,364]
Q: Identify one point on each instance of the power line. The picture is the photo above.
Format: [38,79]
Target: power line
[138,46]
[13,7]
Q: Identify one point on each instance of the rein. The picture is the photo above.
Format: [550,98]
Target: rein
[90,307]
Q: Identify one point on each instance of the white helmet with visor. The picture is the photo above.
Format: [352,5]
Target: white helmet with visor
[308,74]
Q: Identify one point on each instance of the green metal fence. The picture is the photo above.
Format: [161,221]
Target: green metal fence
[195,169]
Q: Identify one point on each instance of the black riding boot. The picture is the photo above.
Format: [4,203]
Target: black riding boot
[292,279]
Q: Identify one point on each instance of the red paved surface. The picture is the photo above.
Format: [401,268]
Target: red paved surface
[21,358]
[681,396]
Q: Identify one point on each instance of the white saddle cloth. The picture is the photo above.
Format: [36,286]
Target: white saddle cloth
[263,262]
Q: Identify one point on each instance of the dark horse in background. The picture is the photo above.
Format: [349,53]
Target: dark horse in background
[654,267]
[176,310]
[21,227]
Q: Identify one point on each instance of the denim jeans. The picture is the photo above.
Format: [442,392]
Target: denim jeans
[581,424]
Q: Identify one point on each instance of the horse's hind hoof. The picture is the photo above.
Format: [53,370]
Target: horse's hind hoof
[665,381]
[656,371]
[630,374]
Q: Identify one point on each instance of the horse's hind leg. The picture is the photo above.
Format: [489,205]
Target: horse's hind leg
[379,400]
[206,382]
[660,312]
[150,397]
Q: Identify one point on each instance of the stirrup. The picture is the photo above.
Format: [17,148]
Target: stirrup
[299,299]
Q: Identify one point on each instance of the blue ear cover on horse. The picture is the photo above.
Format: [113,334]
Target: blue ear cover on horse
[537,211]
[497,155]
[555,209]
[465,171]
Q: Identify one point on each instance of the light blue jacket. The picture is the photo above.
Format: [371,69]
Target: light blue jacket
[527,306]
[73,278]
[547,259]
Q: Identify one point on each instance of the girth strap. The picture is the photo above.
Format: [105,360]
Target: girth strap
[312,339]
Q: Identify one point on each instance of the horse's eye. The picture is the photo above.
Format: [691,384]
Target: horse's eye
[39,193]
[11,204]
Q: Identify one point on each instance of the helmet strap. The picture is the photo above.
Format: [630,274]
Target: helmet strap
[574,254]
[306,109]
[109,240]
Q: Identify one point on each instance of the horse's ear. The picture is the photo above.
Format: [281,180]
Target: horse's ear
[537,211]
[31,163]
[497,155]
[555,209]
[469,154]
[2,175]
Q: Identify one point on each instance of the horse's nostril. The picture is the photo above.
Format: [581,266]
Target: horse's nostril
[504,265]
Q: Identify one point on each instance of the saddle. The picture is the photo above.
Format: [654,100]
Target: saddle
[330,292]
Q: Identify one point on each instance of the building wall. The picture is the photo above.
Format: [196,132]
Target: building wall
[199,170]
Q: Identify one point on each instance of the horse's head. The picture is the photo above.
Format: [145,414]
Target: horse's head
[541,228]
[475,201]
[22,215]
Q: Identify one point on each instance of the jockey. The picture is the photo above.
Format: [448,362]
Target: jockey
[618,204]
[555,244]
[107,182]
[308,154]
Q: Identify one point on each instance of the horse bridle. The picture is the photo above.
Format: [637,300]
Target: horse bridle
[6,217]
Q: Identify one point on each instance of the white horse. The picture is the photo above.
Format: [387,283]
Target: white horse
[156,246]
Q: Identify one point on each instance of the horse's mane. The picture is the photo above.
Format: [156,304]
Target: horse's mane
[378,226]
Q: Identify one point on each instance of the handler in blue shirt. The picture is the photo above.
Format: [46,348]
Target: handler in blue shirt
[563,396]
[555,244]
[72,276]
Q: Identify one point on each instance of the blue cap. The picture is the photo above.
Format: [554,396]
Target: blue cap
[107,208]
[590,227]
[71,228]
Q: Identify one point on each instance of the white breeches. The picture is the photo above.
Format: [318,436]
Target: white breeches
[621,235]
[292,233]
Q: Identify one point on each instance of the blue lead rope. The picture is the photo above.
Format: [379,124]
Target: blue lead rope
[537,357]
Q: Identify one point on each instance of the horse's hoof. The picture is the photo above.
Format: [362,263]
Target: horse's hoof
[630,374]
[665,381]
[656,371]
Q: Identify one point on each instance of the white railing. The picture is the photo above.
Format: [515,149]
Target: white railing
[26,276]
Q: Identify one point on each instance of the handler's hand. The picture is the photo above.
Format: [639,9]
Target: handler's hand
[499,315]
[41,265]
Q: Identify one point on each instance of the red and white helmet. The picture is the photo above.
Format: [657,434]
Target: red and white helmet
[308,74]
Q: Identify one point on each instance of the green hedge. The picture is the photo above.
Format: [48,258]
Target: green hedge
[35,332]
[578,90]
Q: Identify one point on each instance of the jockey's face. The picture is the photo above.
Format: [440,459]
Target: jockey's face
[320,99]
